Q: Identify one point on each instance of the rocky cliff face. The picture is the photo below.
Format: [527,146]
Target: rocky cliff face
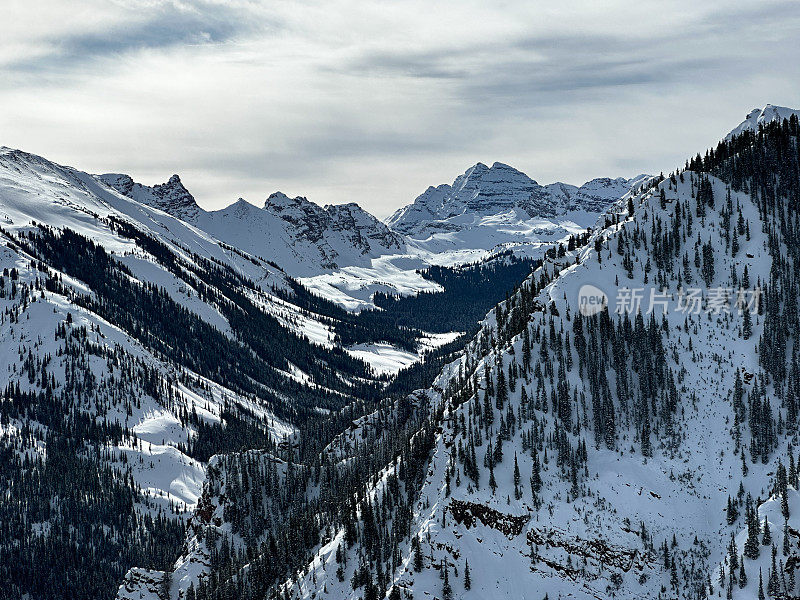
[313,222]
[362,229]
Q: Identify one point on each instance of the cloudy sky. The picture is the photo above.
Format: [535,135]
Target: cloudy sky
[373,101]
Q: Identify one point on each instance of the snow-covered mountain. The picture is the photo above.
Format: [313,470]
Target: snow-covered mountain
[301,236]
[485,211]
[762,116]
[346,255]
[499,204]
[623,425]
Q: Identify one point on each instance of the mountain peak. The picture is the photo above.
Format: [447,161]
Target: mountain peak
[762,116]
[501,194]
[171,197]
[119,181]
[482,169]
[280,201]
[277,196]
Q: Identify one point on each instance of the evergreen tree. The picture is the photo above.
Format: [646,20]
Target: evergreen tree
[742,574]
[417,554]
[747,325]
[536,478]
[447,591]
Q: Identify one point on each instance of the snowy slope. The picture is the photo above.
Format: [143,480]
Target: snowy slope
[34,190]
[37,189]
[156,463]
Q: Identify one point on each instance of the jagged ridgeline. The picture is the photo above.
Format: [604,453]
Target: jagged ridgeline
[619,454]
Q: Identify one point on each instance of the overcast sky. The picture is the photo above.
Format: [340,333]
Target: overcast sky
[372,102]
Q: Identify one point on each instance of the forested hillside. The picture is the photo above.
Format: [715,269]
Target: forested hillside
[615,454]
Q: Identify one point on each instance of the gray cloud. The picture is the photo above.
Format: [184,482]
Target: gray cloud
[372,103]
[149,26]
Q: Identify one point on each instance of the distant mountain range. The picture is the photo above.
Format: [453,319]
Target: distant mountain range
[499,204]
[485,208]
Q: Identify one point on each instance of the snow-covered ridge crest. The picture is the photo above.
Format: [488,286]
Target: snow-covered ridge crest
[304,238]
[342,251]
[762,116]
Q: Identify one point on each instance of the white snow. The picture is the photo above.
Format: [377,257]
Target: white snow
[384,358]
